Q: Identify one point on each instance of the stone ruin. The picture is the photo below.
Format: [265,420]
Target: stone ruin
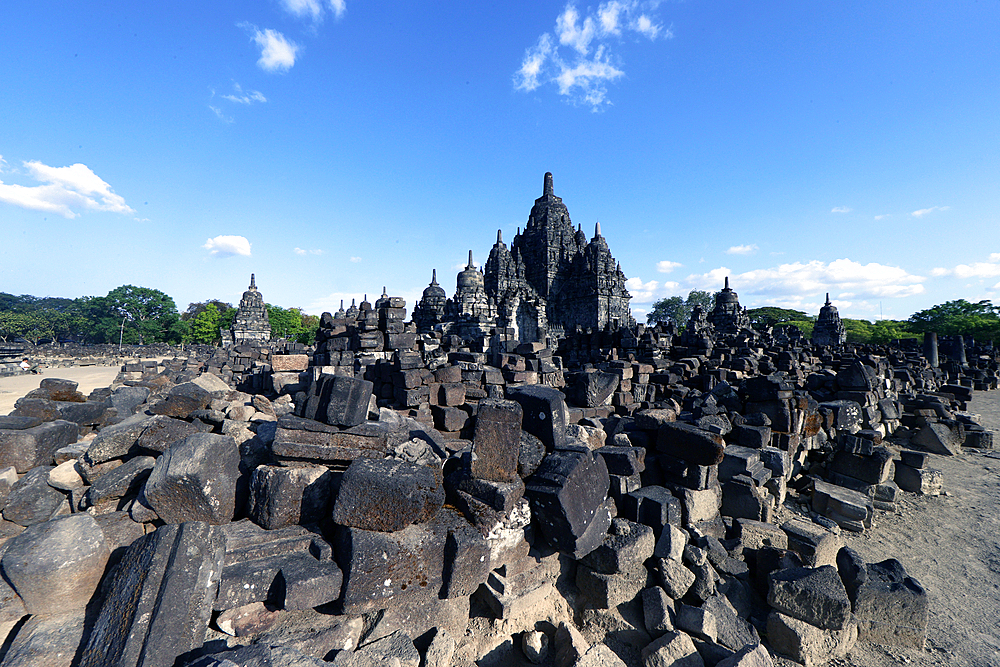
[398,497]
[250,324]
[550,283]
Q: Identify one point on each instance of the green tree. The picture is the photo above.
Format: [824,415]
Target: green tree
[204,328]
[770,316]
[677,310]
[978,319]
[285,322]
[858,331]
[137,314]
[803,325]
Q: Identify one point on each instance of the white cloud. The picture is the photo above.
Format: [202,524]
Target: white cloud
[248,97]
[666,266]
[995,256]
[302,251]
[940,271]
[990,269]
[225,246]
[277,54]
[924,211]
[221,116]
[582,69]
[355,260]
[742,249]
[313,9]
[65,191]
[299,251]
[647,292]
[882,217]
[2,163]
[800,279]
[840,209]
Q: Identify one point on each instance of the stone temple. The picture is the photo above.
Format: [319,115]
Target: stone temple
[549,283]
[251,323]
[829,330]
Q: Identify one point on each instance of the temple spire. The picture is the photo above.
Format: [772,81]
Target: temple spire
[597,230]
[499,237]
[727,283]
[547,189]
[828,298]
[471,265]
[253,282]
[434,276]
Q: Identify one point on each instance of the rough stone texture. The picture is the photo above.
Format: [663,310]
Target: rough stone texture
[182,400]
[49,640]
[593,389]
[195,480]
[657,611]
[281,363]
[340,400]
[497,440]
[545,415]
[673,649]
[115,441]
[161,432]
[260,655]
[749,656]
[32,500]
[123,480]
[814,595]
[32,447]
[125,400]
[890,606]
[675,578]
[387,495]
[690,443]
[55,566]
[938,438]
[806,643]
[625,545]
[610,590]
[159,600]
[567,494]
[282,496]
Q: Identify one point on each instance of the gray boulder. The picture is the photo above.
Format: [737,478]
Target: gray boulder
[195,480]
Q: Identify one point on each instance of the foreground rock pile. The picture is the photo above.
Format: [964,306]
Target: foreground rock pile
[683,510]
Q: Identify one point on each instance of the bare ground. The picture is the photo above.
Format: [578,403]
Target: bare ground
[89,377]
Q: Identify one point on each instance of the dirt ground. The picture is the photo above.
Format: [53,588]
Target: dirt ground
[89,377]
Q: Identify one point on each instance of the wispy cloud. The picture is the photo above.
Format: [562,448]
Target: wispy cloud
[241,97]
[302,251]
[742,249]
[227,246]
[578,60]
[355,260]
[646,292]
[220,115]
[64,191]
[277,53]
[882,216]
[314,10]
[798,279]
[667,266]
[840,209]
[989,269]
[925,211]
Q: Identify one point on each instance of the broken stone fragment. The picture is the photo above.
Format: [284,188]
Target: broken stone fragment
[387,495]
[195,480]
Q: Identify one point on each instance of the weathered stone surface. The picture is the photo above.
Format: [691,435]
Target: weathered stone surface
[396,649]
[815,544]
[891,607]
[690,443]
[282,497]
[381,567]
[123,480]
[259,655]
[162,431]
[545,415]
[938,438]
[55,566]
[159,600]
[125,400]
[65,476]
[467,560]
[610,590]
[182,400]
[115,441]
[806,643]
[340,400]
[49,640]
[591,390]
[675,578]
[32,500]
[387,495]
[195,480]
[657,611]
[925,481]
[625,545]
[567,495]
[496,443]
[282,363]
[32,447]
[305,444]
[673,649]
[814,595]
[749,656]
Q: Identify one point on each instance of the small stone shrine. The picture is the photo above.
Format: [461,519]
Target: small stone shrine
[829,330]
[251,324]
[728,318]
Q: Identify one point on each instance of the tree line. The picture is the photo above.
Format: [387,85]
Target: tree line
[981,319]
[134,316]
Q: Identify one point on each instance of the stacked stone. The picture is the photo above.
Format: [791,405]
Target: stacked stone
[251,324]
[829,330]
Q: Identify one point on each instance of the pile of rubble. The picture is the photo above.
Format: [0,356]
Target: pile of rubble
[404,498]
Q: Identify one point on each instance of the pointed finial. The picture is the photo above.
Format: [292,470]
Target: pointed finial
[547,190]
[470,266]
[253,283]
[383,291]
[579,227]
[499,237]
[352,302]
[434,276]
[341,304]
[597,229]
[828,298]
[727,283]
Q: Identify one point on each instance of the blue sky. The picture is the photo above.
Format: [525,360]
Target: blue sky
[333,147]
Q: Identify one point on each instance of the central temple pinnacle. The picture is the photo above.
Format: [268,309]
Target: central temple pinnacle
[551,282]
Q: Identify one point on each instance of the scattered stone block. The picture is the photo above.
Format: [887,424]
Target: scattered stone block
[496,443]
[814,595]
[690,443]
[925,481]
[673,649]
[195,480]
[387,495]
[938,438]
[281,496]
[32,500]
[625,545]
[657,611]
[807,644]
[36,446]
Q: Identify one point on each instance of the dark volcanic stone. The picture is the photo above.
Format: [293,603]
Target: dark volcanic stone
[387,495]
[497,441]
[195,480]
[31,498]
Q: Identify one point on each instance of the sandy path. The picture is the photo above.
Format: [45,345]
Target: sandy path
[89,377]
